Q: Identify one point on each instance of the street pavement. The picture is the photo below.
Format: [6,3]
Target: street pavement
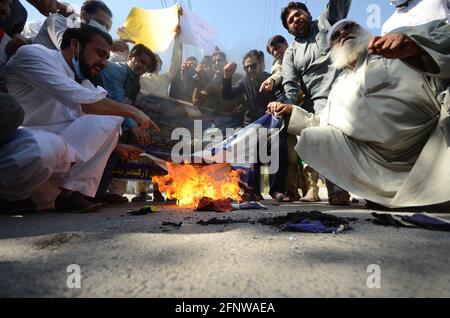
[120,255]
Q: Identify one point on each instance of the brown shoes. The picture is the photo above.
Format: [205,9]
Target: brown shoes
[340,199]
[75,202]
[109,198]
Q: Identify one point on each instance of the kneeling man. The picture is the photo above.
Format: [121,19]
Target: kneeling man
[55,91]
[380,136]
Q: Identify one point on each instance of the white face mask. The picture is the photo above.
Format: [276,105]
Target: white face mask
[118,57]
[398,3]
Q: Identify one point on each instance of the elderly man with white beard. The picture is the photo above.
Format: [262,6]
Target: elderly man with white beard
[380,136]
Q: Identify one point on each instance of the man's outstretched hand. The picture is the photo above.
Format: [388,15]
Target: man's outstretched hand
[279,109]
[144,121]
[394,46]
[128,152]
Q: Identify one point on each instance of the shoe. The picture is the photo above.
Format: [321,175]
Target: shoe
[294,195]
[14,207]
[249,196]
[339,199]
[281,197]
[110,198]
[141,198]
[310,197]
[76,203]
[259,197]
[158,197]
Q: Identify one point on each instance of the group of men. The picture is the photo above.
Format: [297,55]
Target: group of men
[368,113]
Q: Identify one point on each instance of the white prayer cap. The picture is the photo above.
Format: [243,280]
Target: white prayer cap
[335,26]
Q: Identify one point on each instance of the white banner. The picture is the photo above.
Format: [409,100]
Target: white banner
[196,32]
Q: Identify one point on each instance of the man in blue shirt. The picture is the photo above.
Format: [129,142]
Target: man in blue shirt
[122,81]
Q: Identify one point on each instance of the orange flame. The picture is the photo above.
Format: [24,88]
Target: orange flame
[189,184]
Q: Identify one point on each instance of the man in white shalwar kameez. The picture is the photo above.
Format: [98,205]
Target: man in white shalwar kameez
[380,136]
[54,90]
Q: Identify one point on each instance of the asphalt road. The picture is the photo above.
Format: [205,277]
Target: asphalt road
[120,255]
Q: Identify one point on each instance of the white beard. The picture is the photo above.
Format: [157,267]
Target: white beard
[344,55]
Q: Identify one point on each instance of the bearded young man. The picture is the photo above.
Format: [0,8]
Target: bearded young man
[55,90]
[380,135]
[307,65]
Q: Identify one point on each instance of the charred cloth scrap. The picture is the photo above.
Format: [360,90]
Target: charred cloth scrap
[310,222]
[221,206]
[418,220]
[307,222]
[227,221]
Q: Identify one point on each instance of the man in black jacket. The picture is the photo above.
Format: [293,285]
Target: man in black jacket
[255,106]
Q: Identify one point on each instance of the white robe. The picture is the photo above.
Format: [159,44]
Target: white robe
[44,85]
[380,136]
[417,12]
[29,162]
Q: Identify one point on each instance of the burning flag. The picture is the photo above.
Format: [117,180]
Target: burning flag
[189,184]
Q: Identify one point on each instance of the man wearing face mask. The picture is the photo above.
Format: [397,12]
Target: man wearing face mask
[55,90]
[307,61]
[95,13]
[416,12]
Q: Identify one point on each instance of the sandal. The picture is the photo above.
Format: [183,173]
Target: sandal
[282,198]
[340,199]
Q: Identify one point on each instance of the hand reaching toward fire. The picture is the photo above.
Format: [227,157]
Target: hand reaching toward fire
[128,152]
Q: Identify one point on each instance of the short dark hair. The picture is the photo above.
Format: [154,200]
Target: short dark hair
[141,49]
[158,59]
[221,54]
[207,59]
[274,41]
[192,58]
[84,34]
[92,6]
[291,7]
[257,55]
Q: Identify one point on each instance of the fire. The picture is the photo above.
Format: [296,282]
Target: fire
[189,184]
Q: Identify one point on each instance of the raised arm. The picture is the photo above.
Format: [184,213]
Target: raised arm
[56,27]
[336,10]
[177,57]
[290,76]
[230,91]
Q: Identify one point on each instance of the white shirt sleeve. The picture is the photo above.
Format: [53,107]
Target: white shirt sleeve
[35,66]
[56,26]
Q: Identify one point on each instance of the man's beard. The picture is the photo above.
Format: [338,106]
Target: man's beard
[86,68]
[344,55]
